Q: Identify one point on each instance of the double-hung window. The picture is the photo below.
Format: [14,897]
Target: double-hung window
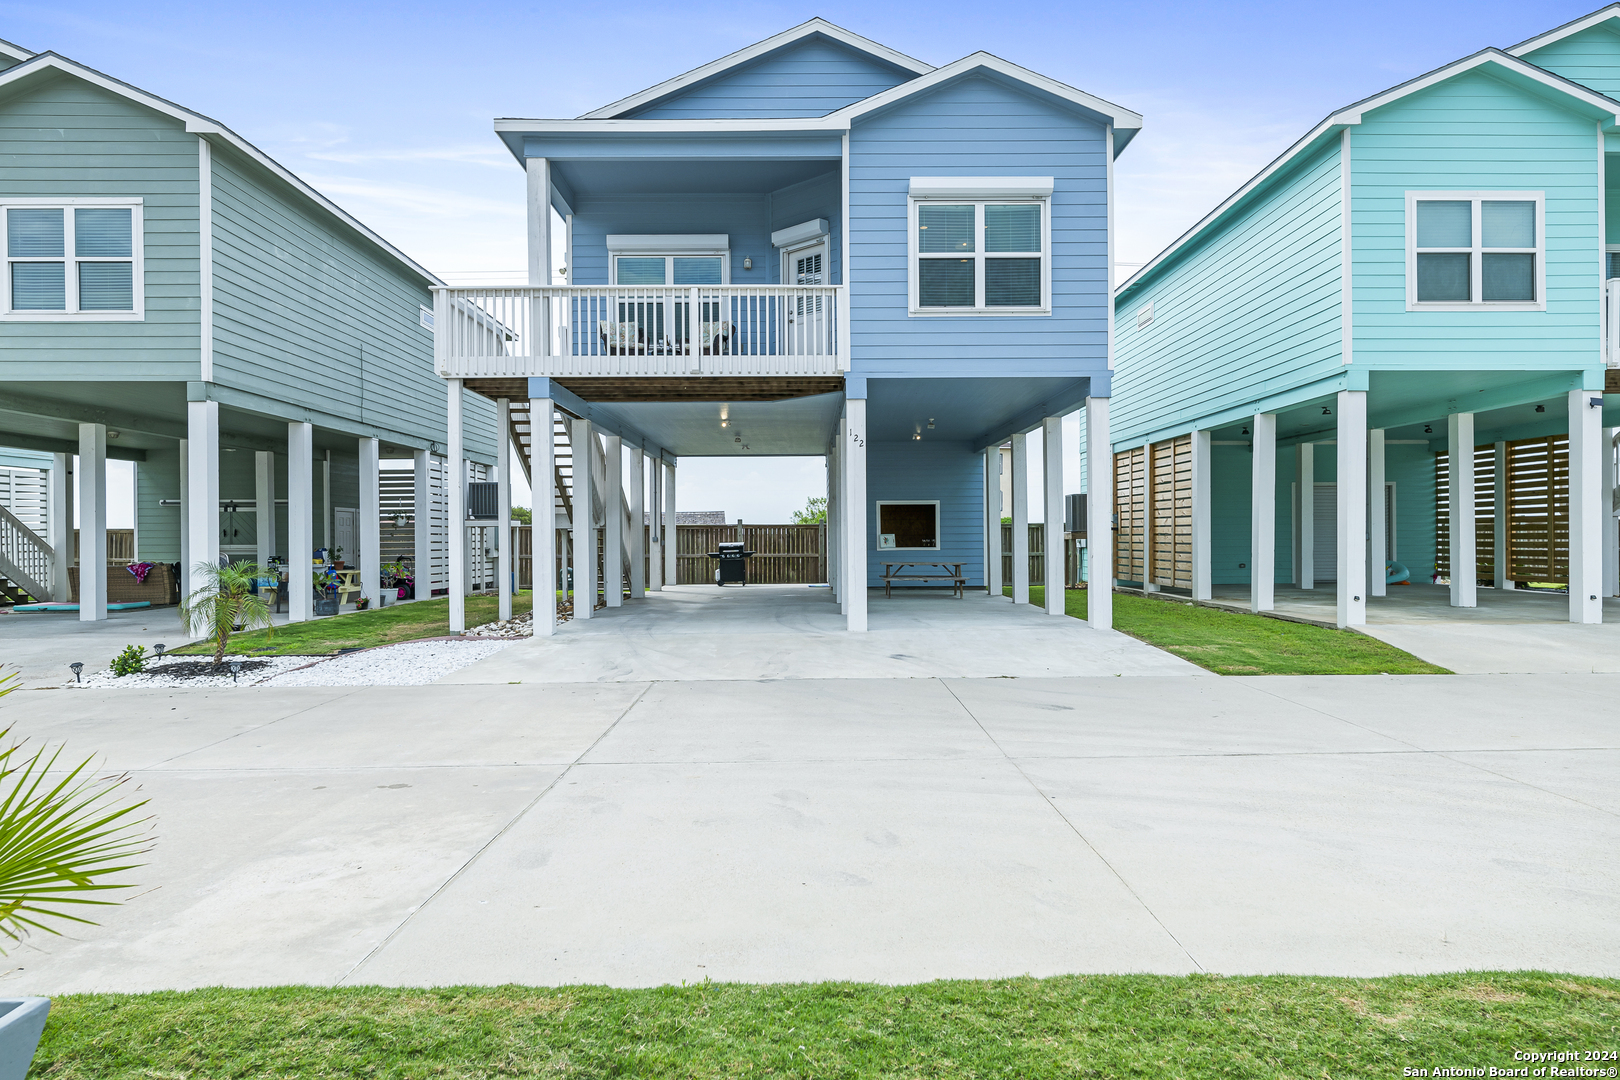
[72,259]
[1475,250]
[980,246]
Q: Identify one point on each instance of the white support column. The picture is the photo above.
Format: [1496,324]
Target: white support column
[202,458]
[1052,487]
[831,533]
[1351,488]
[92,522]
[422,542]
[638,532]
[583,440]
[1100,516]
[1587,511]
[370,524]
[1202,449]
[1305,515]
[1464,565]
[1611,535]
[1503,513]
[264,506]
[301,521]
[992,521]
[185,515]
[845,565]
[1377,519]
[59,520]
[856,532]
[1020,516]
[613,520]
[543,539]
[455,500]
[1263,514]
[672,533]
[505,565]
[655,525]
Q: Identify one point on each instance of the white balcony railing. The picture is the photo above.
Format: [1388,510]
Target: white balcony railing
[1611,322]
[628,331]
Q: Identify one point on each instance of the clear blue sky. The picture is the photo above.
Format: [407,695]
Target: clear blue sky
[387,108]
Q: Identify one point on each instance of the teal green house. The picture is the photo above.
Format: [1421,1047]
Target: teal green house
[176,298]
[1385,356]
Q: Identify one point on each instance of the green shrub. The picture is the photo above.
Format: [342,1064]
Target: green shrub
[132,661]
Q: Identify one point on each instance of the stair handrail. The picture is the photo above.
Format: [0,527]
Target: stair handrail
[25,557]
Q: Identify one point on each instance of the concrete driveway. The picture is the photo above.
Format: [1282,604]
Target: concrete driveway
[891,830]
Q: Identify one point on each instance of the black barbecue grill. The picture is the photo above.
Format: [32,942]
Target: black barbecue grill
[730,564]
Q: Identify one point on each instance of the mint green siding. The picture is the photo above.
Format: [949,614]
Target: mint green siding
[157,528]
[1591,58]
[60,137]
[1252,311]
[1475,133]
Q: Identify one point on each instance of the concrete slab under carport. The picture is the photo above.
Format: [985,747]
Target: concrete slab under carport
[1511,631]
[704,632]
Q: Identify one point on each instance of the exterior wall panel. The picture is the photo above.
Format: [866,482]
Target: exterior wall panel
[811,78]
[952,474]
[1591,58]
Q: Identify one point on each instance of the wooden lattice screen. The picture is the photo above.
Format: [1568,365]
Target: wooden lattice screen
[1537,508]
[1130,512]
[1170,491]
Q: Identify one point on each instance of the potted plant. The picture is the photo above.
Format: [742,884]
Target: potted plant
[326,594]
[60,838]
[228,601]
[337,558]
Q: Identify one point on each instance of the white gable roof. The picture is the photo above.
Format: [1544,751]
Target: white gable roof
[200,125]
[754,52]
[1585,22]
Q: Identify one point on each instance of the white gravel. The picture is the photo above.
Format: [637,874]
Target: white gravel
[413,663]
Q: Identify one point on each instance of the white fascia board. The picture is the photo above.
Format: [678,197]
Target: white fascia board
[1120,118]
[668,244]
[518,125]
[197,124]
[754,52]
[16,52]
[982,187]
[1559,33]
[1352,115]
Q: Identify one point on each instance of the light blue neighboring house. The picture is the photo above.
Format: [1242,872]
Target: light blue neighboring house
[813,246]
[174,297]
[1414,301]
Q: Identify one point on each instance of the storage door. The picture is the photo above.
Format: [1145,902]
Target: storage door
[1325,543]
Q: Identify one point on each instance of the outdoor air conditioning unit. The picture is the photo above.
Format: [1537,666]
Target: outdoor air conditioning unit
[483,501]
[1074,513]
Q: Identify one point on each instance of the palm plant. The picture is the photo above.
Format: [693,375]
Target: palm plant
[59,839]
[228,600]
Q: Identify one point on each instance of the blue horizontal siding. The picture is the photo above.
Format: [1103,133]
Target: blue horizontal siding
[977,127]
[812,77]
[1476,133]
[1254,305]
[954,475]
[817,198]
[746,219]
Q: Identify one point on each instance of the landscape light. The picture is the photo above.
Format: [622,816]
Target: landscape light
[77,668]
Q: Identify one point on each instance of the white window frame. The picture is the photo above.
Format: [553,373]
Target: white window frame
[1476,263]
[1609,249]
[877,519]
[668,248]
[71,261]
[979,192]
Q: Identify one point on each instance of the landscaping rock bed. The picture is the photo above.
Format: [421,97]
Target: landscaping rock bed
[185,671]
[519,626]
[411,663]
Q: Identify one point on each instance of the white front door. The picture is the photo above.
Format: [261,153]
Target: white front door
[806,266]
[344,536]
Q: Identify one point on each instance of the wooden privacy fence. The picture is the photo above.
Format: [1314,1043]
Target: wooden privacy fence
[783,554]
[1153,498]
[1537,497]
[1037,553]
[120,545]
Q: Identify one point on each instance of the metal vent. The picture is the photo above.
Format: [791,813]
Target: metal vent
[483,500]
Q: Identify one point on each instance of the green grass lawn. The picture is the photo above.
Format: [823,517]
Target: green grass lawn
[1072,1026]
[362,629]
[1233,643]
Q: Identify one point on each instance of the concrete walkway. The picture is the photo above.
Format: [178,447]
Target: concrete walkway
[1511,631]
[892,830]
[702,632]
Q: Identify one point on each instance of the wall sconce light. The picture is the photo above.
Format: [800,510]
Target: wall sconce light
[1427,430]
[725,423]
[930,423]
[1594,403]
[1245,431]
[1326,411]
[1541,408]
[916,436]
[748,264]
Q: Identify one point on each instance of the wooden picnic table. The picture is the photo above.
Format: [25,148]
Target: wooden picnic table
[949,571]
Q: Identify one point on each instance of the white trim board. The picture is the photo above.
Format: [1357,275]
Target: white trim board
[198,124]
[982,187]
[807,232]
[671,244]
[804,30]
[1569,29]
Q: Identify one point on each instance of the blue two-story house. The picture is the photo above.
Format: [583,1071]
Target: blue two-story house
[1382,361]
[814,246]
